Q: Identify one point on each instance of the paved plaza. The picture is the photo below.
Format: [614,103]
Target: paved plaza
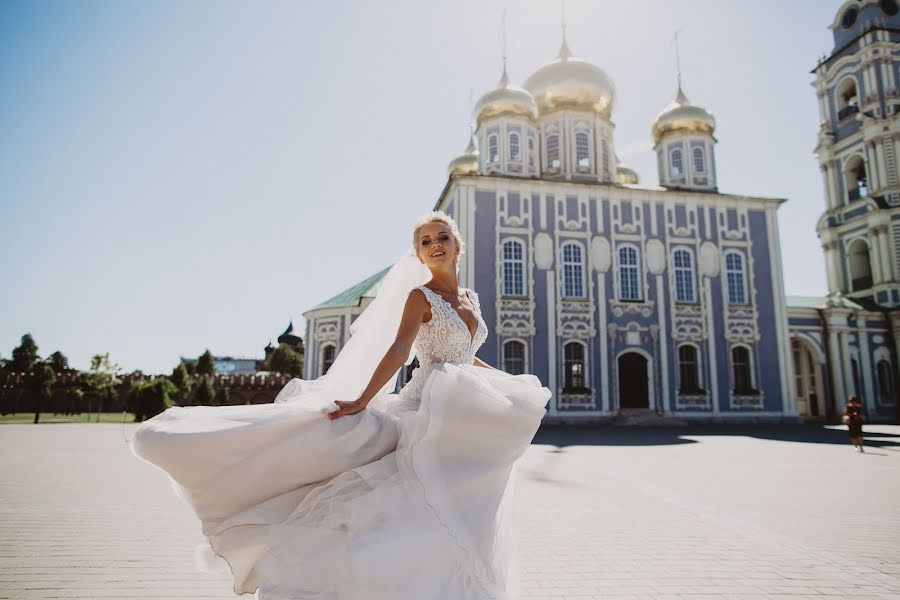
[689,513]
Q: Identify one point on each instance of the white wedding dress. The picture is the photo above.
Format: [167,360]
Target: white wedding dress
[409,499]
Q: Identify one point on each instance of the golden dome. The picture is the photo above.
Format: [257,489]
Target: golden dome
[569,83]
[507,99]
[626,175]
[680,116]
[467,162]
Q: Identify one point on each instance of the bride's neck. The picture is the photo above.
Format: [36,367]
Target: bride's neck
[445,280]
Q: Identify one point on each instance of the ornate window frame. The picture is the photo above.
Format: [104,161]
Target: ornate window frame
[523,344]
[620,273]
[741,272]
[580,264]
[689,272]
[520,261]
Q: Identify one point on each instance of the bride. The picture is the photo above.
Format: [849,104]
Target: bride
[340,490]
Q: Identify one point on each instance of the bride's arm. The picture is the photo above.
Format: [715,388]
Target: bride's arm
[413,313]
[480,363]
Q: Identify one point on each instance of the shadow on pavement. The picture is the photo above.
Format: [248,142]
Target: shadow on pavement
[606,435]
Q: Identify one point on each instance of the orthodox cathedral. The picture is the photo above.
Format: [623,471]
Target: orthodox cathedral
[669,299]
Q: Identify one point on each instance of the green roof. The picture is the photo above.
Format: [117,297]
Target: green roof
[353,296]
[818,302]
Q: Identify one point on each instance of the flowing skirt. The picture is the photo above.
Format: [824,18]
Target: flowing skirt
[408,500]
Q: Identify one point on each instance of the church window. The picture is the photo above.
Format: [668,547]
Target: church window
[740,365]
[514,357]
[849,18]
[582,150]
[629,273]
[688,369]
[573,270]
[885,383]
[553,151]
[573,368]
[530,151]
[736,278]
[699,166]
[513,268]
[888,7]
[328,353]
[514,152]
[684,275]
[847,98]
[604,158]
[860,268]
[493,149]
[675,160]
[855,178]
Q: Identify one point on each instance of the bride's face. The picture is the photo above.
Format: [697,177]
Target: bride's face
[436,246]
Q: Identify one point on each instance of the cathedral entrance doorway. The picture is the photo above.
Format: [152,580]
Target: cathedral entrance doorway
[633,378]
[807,380]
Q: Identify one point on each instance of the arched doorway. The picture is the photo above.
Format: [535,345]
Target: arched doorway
[633,380]
[807,381]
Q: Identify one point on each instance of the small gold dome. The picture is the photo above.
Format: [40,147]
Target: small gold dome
[467,162]
[570,83]
[626,175]
[507,99]
[680,116]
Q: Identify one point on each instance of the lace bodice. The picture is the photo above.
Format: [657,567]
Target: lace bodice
[445,338]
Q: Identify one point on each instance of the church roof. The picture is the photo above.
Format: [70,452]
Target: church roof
[353,295]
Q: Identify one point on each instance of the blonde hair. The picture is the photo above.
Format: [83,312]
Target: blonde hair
[438,216]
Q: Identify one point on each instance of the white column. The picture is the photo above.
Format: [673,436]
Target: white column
[837,369]
[874,180]
[849,383]
[829,199]
[552,354]
[885,253]
[663,346]
[604,344]
[711,335]
[832,188]
[882,171]
[875,256]
[865,365]
[831,271]
[781,323]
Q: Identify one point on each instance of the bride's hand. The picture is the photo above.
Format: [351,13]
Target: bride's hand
[347,408]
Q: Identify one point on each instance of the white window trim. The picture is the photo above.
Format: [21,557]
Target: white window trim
[322,356]
[638,267]
[744,276]
[700,379]
[525,366]
[838,100]
[562,271]
[694,150]
[693,270]
[509,137]
[524,263]
[672,173]
[587,136]
[587,361]
[751,365]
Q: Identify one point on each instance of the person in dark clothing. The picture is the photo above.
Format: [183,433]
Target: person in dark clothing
[853,417]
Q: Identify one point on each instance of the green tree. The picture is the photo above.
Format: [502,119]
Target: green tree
[101,381]
[183,383]
[206,365]
[222,397]
[286,361]
[25,355]
[205,391]
[58,361]
[44,380]
[147,399]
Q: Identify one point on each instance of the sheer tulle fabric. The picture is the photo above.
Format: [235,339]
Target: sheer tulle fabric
[410,499]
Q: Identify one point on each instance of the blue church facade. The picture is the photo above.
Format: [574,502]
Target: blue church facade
[669,299]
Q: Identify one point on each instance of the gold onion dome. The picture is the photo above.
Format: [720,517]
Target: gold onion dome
[570,83]
[626,175]
[467,162]
[507,99]
[680,116]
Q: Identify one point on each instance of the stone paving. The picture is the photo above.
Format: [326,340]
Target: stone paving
[688,513]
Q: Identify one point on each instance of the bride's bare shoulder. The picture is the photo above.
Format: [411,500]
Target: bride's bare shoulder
[418,302]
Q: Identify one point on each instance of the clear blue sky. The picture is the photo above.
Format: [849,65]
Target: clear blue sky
[176,176]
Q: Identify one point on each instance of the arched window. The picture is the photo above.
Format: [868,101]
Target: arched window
[582,150]
[629,273]
[885,382]
[675,162]
[328,353]
[740,365]
[855,178]
[530,151]
[847,98]
[514,151]
[860,268]
[513,268]
[514,357]
[688,369]
[684,275]
[493,149]
[553,151]
[699,162]
[736,277]
[573,270]
[573,368]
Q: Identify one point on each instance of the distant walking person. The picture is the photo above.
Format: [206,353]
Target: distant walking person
[853,417]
